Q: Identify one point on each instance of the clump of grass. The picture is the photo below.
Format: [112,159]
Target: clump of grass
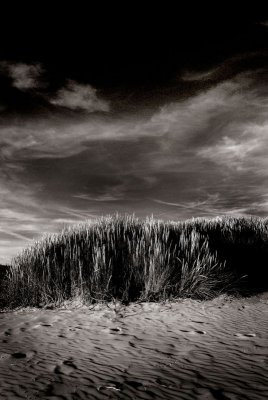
[124,258]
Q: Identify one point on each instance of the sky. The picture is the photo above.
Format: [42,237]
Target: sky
[165,117]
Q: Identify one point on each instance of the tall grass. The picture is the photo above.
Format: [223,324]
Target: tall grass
[129,259]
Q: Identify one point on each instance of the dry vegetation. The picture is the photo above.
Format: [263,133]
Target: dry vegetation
[131,260]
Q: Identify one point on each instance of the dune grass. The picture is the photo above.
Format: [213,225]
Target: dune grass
[124,258]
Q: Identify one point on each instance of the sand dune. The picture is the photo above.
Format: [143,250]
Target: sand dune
[186,350]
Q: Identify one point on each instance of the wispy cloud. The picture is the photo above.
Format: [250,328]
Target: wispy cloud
[207,208]
[100,198]
[200,75]
[198,206]
[177,122]
[77,96]
[238,153]
[14,234]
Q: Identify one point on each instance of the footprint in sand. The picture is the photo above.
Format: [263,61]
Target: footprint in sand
[18,355]
[115,330]
[198,322]
[194,332]
[37,326]
[245,335]
[65,368]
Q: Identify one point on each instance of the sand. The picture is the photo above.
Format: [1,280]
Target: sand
[186,350]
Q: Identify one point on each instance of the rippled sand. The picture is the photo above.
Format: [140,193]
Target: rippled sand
[185,350]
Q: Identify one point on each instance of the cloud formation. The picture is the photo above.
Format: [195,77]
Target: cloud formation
[203,155]
[24,76]
[77,96]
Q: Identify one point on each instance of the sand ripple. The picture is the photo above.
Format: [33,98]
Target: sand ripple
[185,350]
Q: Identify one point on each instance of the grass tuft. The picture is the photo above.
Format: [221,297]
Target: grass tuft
[128,259]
